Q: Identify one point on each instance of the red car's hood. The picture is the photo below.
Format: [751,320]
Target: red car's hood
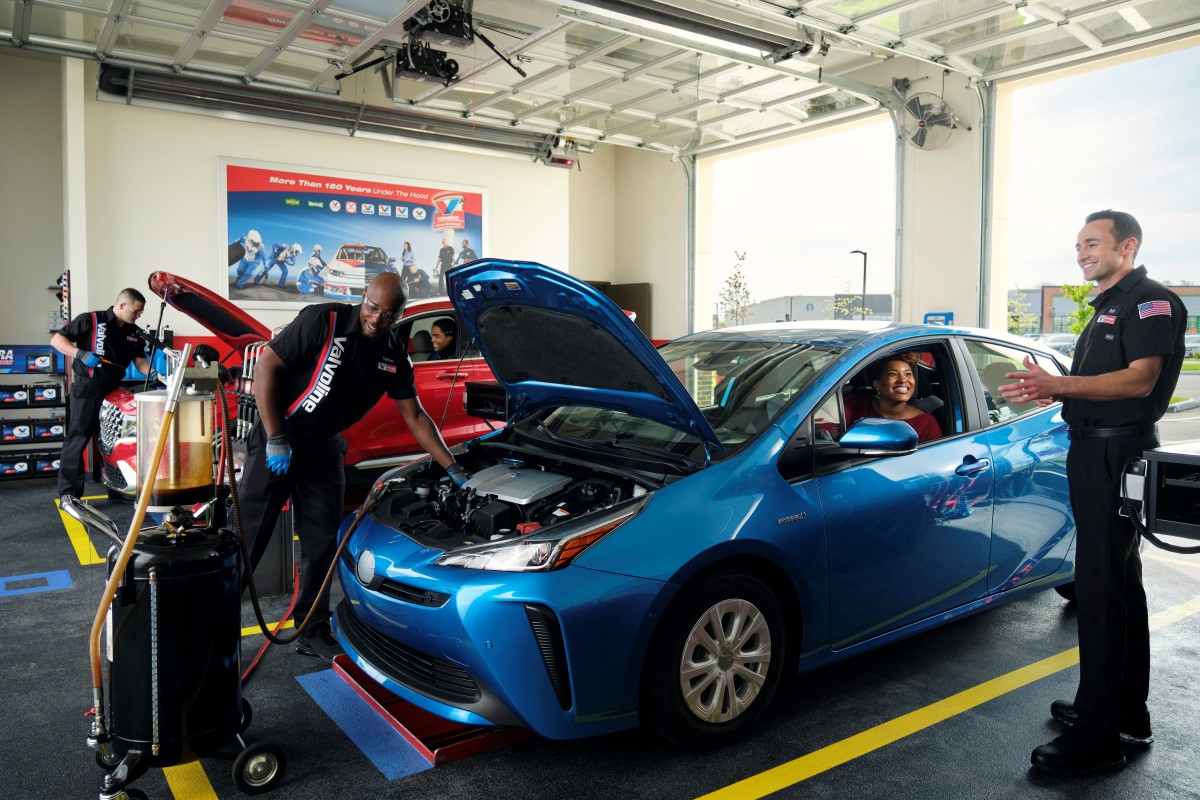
[230,324]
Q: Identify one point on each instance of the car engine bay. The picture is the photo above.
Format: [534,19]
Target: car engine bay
[504,498]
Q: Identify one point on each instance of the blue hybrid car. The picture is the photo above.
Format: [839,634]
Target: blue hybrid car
[661,536]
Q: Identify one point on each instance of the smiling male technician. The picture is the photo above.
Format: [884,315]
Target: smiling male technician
[101,344]
[319,376]
[1124,370]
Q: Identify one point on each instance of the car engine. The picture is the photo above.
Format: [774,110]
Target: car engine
[506,499]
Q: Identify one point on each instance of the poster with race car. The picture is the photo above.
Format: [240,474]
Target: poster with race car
[295,235]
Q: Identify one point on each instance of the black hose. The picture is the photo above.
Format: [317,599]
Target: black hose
[1132,510]
[227,454]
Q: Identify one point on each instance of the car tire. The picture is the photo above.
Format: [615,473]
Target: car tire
[697,696]
[1066,591]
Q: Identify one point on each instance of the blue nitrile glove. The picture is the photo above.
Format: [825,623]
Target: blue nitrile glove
[279,454]
[89,358]
[457,474]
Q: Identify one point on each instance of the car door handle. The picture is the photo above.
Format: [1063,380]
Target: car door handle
[972,465]
[450,376]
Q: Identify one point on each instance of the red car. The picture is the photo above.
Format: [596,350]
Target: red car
[379,441]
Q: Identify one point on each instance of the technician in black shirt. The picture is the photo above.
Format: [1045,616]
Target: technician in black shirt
[319,376]
[101,344]
[1125,367]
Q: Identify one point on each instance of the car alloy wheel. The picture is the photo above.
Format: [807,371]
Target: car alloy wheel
[716,661]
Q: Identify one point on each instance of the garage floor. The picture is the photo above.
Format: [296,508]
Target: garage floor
[952,713]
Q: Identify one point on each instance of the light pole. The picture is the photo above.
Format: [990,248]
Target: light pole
[863,308]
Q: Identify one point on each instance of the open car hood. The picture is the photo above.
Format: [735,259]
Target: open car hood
[230,324]
[553,340]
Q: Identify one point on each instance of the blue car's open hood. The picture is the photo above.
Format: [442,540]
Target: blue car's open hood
[553,340]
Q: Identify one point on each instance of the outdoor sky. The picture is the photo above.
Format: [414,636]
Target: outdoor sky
[1125,137]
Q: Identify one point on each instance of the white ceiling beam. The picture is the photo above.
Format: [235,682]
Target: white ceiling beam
[22,17]
[112,26]
[296,25]
[584,58]
[211,16]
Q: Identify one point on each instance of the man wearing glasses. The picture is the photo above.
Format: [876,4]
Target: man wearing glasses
[319,376]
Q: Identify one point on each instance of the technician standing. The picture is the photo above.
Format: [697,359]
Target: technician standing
[1125,368]
[319,376]
[101,344]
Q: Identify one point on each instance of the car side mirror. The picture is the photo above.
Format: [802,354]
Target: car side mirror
[873,436]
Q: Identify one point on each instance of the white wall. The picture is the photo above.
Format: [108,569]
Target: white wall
[941,200]
[651,234]
[591,243]
[152,182]
[31,204]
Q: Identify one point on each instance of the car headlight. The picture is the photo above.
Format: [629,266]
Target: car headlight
[546,549]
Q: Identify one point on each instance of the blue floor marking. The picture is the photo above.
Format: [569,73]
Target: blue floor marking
[37,582]
[380,742]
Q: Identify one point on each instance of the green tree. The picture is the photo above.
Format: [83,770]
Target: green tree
[734,299]
[1020,318]
[846,306]
[1082,314]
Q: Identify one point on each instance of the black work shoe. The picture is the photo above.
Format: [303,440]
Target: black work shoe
[1133,731]
[1077,753]
[66,500]
[319,642]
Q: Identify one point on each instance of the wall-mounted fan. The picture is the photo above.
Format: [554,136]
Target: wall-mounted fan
[927,120]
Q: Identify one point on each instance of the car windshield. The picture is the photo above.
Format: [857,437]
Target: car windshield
[740,387]
[376,254]
[350,253]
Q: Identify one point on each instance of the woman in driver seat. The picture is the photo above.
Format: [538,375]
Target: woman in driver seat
[894,383]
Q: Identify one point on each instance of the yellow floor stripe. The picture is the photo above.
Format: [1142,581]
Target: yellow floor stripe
[254,630]
[1169,560]
[800,769]
[85,551]
[188,782]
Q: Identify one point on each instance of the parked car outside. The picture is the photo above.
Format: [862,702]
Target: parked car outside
[355,266]
[377,442]
[1062,342]
[662,537]
[1191,343]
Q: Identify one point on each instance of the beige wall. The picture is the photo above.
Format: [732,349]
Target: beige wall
[651,234]
[31,204]
[591,241]
[152,185]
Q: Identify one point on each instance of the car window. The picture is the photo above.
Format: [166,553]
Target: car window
[992,362]
[418,330]
[742,386]
[935,391]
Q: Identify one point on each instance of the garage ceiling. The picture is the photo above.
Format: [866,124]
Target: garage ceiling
[689,78]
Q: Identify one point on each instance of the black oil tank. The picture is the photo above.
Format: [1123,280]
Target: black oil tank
[174,647]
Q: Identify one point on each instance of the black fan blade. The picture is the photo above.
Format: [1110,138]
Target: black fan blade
[918,138]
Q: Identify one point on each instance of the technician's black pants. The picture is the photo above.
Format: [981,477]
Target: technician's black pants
[316,485]
[83,422]
[1114,634]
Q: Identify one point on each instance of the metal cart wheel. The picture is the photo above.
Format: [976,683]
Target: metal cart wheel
[259,767]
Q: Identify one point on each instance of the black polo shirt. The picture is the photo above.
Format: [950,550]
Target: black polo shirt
[334,372]
[105,335]
[1136,318]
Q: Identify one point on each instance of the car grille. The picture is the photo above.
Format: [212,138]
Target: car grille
[432,677]
[111,420]
[113,477]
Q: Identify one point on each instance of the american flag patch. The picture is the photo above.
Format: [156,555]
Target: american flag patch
[1154,308]
[1108,319]
[387,367]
